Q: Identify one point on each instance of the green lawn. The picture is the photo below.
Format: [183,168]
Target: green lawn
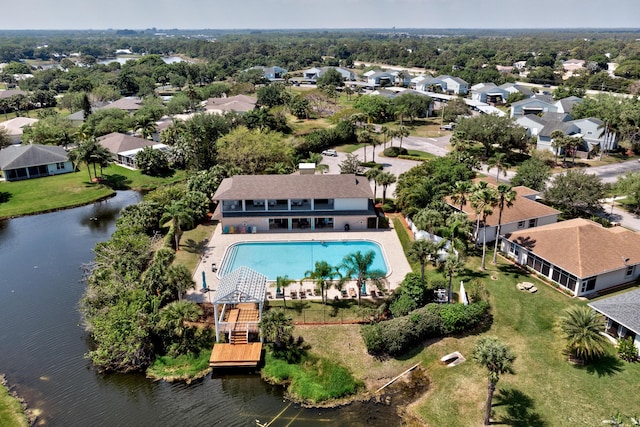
[545,390]
[11,413]
[341,311]
[192,245]
[72,189]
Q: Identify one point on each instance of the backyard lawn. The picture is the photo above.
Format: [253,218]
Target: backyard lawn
[545,390]
[72,189]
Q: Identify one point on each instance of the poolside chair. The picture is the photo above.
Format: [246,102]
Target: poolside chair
[352,293]
[344,293]
[303,295]
[294,295]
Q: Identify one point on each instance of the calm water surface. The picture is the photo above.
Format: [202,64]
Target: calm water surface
[42,345]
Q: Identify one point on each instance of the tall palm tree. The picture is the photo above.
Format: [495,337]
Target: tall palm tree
[483,201]
[372,175]
[321,275]
[401,133]
[458,224]
[428,219]
[557,142]
[281,283]
[451,265]
[479,186]
[276,326]
[506,197]
[357,264]
[385,179]
[580,326]
[498,359]
[146,125]
[179,215]
[461,190]
[423,251]
[384,130]
[499,161]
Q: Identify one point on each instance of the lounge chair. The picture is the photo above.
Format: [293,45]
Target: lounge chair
[352,293]
[344,293]
[310,292]
[303,295]
[294,295]
[269,295]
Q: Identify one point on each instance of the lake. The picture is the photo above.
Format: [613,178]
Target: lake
[42,343]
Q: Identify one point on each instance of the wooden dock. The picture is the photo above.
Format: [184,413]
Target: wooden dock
[236,355]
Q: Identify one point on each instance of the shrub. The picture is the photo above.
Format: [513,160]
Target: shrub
[477,291]
[395,151]
[403,305]
[627,350]
[396,336]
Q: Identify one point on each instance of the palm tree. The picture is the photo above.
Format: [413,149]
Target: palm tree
[146,125]
[557,142]
[385,179]
[506,197]
[580,326]
[358,264]
[428,219]
[178,213]
[401,133]
[281,283]
[372,175]
[321,275]
[479,186]
[423,251]
[171,323]
[451,265]
[460,191]
[458,224]
[384,130]
[499,161]
[178,278]
[494,355]
[276,326]
[483,201]
[365,137]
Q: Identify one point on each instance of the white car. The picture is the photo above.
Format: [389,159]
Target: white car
[332,153]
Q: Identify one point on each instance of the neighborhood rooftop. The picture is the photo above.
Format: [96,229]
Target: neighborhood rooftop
[260,187]
[24,156]
[580,246]
[623,308]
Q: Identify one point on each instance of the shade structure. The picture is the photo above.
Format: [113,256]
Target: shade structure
[204,280]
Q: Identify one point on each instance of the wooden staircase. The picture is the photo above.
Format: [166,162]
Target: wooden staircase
[239,337]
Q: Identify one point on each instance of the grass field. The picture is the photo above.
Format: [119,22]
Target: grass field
[545,390]
[192,245]
[182,368]
[72,189]
[11,413]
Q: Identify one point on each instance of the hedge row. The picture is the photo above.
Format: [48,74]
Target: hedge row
[397,336]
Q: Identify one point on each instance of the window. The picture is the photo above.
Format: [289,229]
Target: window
[588,284]
[564,279]
[520,224]
[60,166]
[533,222]
[630,270]
[514,249]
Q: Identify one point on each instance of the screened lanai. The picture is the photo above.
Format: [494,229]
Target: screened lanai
[235,301]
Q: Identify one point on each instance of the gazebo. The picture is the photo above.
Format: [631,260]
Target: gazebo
[238,292]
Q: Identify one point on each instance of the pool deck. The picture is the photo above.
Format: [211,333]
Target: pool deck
[218,243]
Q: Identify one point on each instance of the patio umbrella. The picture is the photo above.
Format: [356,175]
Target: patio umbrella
[363,290]
[204,281]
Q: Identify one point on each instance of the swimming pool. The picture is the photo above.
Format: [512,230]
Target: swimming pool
[294,258]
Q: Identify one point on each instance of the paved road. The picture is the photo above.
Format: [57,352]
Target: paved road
[610,173]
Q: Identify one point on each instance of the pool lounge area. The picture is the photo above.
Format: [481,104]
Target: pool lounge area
[397,264]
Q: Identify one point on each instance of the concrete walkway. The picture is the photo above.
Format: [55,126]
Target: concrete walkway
[218,244]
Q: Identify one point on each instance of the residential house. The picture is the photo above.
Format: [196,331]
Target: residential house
[19,162]
[545,141]
[505,68]
[622,313]
[454,85]
[15,126]
[531,106]
[593,134]
[401,78]
[489,93]
[6,94]
[130,105]
[381,78]
[516,88]
[238,104]
[313,74]
[570,66]
[431,84]
[565,105]
[273,74]
[524,213]
[580,256]
[259,203]
[124,148]
[532,123]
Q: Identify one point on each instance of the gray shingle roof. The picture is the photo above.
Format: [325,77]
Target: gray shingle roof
[623,309]
[24,156]
[249,187]
[568,128]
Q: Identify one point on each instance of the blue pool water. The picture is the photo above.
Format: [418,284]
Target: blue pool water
[293,259]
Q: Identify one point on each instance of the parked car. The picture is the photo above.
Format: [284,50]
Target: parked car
[449,126]
[332,153]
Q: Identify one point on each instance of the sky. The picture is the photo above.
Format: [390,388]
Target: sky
[297,14]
